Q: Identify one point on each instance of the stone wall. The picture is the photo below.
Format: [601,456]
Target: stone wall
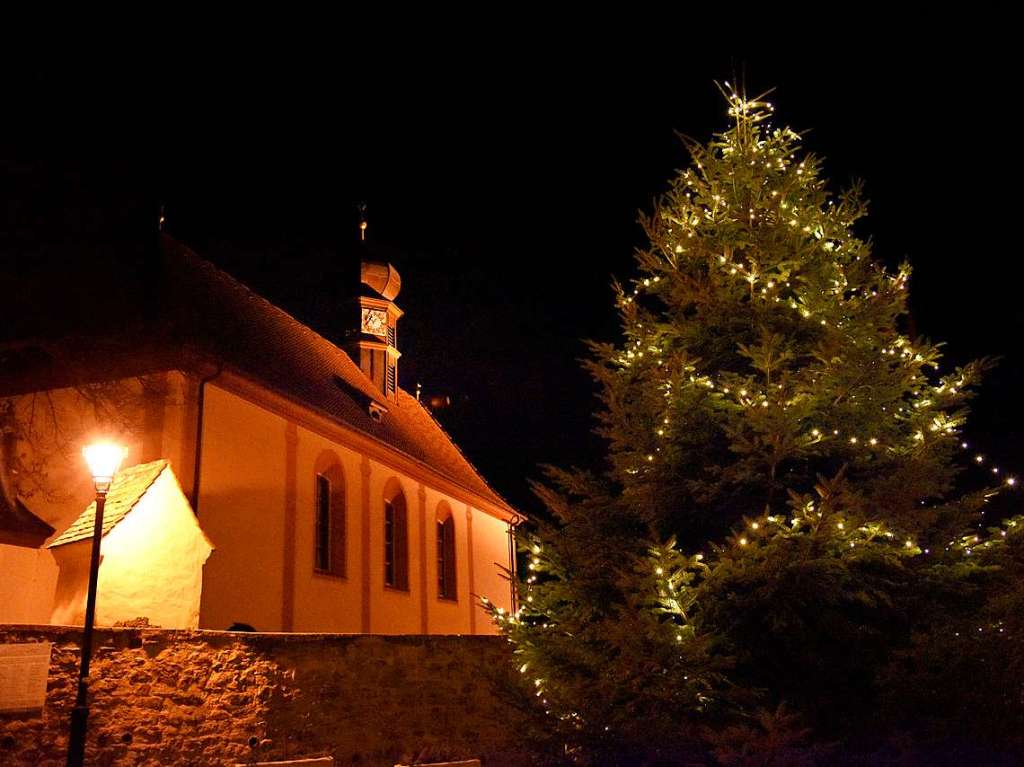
[209,697]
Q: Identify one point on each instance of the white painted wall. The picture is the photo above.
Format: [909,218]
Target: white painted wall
[151,565]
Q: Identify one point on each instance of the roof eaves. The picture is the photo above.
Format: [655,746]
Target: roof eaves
[508,506]
[497,501]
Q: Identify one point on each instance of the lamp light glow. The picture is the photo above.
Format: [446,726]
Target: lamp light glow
[103,458]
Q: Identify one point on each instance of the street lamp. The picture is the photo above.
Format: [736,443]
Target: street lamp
[103,459]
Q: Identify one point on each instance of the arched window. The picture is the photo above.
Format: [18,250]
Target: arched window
[446,578]
[396,538]
[329,516]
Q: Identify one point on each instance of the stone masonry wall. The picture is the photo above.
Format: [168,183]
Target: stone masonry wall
[210,697]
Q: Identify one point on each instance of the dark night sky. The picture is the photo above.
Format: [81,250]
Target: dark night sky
[509,180]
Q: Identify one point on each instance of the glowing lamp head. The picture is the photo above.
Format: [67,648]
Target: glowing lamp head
[103,459]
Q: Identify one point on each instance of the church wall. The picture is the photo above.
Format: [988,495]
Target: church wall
[257,504]
[477,573]
[177,441]
[28,579]
[57,425]
[393,611]
[490,549]
[241,503]
[326,602]
[447,616]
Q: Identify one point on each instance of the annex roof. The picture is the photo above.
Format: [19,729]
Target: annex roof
[126,490]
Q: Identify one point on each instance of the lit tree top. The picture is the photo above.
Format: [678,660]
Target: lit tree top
[763,347]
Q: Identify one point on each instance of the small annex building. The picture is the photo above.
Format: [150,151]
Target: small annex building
[151,555]
[275,478]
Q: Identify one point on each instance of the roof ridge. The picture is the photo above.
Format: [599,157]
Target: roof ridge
[252,295]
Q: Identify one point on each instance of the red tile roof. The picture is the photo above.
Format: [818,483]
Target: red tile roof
[126,490]
[212,311]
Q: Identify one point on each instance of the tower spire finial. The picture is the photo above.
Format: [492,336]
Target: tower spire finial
[362,222]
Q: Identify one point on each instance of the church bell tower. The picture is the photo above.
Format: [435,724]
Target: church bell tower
[374,346]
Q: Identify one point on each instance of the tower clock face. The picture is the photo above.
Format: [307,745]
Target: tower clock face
[375,322]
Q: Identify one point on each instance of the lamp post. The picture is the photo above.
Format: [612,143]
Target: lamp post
[103,459]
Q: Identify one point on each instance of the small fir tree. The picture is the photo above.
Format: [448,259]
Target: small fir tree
[767,411]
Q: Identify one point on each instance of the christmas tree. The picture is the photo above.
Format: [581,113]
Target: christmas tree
[767,413]
[763,348]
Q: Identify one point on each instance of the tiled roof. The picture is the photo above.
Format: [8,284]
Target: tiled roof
[19,526]
[128,487]
[212,311]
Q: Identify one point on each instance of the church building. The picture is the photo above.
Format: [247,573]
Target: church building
[274,480]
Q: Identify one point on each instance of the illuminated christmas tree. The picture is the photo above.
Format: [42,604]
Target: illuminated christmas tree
[768,413]
[764,348]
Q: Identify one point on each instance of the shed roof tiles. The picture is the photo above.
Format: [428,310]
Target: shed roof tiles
[125,491]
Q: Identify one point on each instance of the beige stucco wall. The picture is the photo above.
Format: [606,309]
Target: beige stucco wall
[176,438]
[326,602]
[256,504]
[28,579]
[393,611]
[447,616]
[241,509]
[490,554]
[151,565]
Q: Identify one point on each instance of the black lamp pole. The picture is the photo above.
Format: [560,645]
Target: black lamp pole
[80,713]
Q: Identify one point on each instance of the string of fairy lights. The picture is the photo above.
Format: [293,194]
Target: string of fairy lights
[831,228]
[799,202]
[810,516]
